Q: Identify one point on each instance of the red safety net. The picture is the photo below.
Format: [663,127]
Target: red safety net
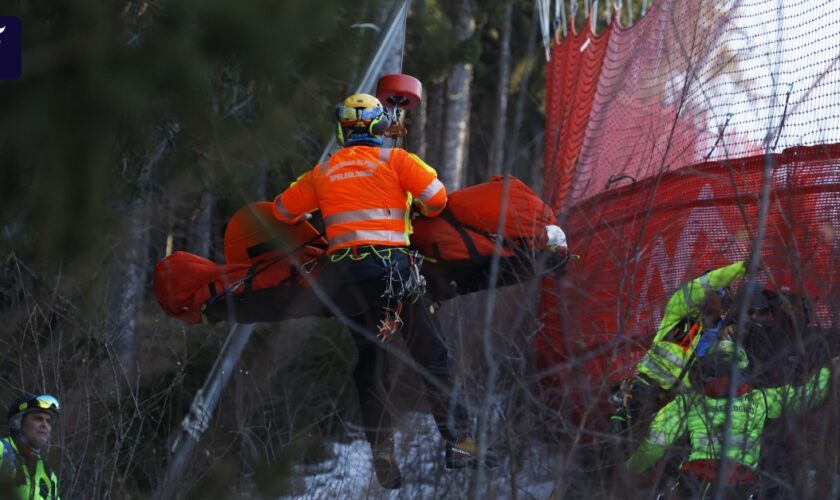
[655,156]
[570,89]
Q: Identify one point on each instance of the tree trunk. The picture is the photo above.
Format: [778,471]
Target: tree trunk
[130,263]
[513,152]
[458,104]
[126,293]
[436,115]
[417,127]
[497,153]
[201,227]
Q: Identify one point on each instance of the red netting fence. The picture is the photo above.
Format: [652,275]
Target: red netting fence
[657,138]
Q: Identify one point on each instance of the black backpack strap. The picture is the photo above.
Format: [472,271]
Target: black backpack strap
[249,278]
[459,228]
[436,251]
[519,246]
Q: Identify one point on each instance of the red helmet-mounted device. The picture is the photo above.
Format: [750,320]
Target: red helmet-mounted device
[398,92]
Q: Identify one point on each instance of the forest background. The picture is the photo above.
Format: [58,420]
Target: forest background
[139,128]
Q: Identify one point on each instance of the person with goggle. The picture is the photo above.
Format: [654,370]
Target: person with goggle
[23,468]
[696,307]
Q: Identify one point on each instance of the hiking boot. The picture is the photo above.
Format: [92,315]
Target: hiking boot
[464,453]
[386,468]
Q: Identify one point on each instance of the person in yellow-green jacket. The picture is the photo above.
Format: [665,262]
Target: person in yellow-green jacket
[23,470]
[702,415]
[696,307]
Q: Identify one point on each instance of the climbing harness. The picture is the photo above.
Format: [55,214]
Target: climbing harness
[362,252]
[399,290]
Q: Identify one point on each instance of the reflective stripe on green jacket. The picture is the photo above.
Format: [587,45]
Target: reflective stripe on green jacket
[666,359]
[704,417]
[43,485]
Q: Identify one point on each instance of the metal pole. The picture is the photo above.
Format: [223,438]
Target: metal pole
[204,403]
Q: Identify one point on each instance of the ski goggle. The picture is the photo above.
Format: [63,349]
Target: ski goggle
[349,117]
[42,402]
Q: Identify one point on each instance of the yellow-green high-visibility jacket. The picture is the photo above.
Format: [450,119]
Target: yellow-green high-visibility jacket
[704,417]
[13,470]
[681,327]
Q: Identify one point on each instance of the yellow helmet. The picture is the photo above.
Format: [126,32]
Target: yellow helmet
[360,114]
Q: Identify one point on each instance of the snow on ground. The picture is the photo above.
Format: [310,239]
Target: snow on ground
[419,449]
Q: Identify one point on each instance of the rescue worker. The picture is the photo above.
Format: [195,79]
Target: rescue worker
[23,469]
[789,345]
[366,193]
[697,306]
[702,415]
[782,350]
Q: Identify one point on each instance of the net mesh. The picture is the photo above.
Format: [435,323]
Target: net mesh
[657,140]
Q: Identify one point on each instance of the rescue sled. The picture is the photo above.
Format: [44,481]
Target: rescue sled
[502,219]
[264,273]
[271,267]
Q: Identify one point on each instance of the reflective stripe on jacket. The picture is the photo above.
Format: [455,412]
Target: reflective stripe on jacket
[666,360]
[703,418]
[365,195]
[43,485]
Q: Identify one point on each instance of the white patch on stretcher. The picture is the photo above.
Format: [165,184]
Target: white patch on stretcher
[556,237]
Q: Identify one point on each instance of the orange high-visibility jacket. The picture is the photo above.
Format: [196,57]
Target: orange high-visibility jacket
[365,195]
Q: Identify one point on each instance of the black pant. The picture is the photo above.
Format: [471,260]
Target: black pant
[356,287]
